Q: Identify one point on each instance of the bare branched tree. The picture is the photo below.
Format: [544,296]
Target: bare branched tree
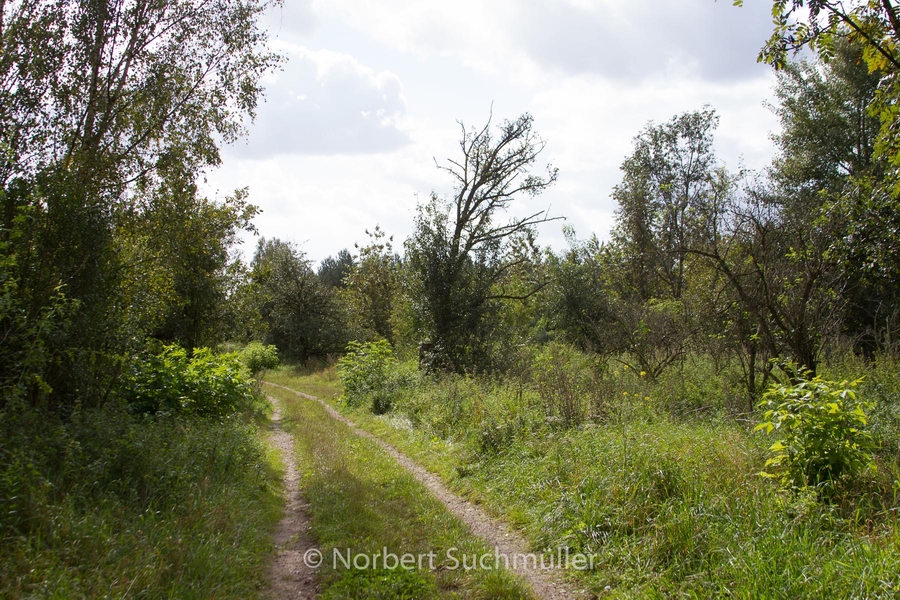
[490,174]
[459,251]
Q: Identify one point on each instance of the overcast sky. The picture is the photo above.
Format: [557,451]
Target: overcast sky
[372,91]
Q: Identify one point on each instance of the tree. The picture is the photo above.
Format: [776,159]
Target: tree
[671,199]
[827,168]
[333,269]
[372,286]
[827,134]
[301,314]
[670,181]
[458,251]
[579,305]
[822,26]
[819,24]
[785,286]
[182,247]
[102,102]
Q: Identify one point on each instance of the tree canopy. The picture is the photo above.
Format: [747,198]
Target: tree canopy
[109,111]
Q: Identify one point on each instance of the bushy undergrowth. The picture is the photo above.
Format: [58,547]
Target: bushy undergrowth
[659,477]
[823,429]
[371,375]
[165,489]
[200,383]
[258,357]
[107,503]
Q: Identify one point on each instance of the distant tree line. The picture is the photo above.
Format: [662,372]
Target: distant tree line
[109,114]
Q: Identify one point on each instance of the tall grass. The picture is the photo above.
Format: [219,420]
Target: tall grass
[657,477]
[104,503]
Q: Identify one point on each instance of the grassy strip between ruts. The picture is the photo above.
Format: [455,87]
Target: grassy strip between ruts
[366,510]
[671,508]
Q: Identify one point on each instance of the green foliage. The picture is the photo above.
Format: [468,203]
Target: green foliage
[333,269]
[372,287]
[183,271]
[109,112]
[459,254]
[365,372]
[28,341]
[823,428]
[659,487]
[672,183]
[565,380]
[579,306]
[258,357]
[110,503]
[301,315]
[203,383]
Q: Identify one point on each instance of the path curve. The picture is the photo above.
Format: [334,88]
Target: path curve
[546,584]
[289,576]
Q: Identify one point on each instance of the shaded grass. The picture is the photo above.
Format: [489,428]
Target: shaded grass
[107,504]
[361,500]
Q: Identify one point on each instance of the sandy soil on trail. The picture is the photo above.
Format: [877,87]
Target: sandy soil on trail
[289,577]
[546,584]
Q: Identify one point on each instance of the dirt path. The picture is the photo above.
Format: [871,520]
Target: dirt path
[289,577]
[546,584]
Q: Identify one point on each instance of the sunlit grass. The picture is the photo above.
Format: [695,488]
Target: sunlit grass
[319,379]
[363,501]
[661,485]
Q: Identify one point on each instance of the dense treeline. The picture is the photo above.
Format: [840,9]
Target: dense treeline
[790,263]
[109,112]
[107,242]
[129,461]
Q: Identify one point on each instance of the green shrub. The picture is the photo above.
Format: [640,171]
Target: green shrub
[823,428]
[258,357]
[365,372]
[205,383]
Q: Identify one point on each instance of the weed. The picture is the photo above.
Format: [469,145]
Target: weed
[822,425]
[365,372]
[660,485]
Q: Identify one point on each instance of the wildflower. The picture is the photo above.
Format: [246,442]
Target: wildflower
[643,373]
[624,393]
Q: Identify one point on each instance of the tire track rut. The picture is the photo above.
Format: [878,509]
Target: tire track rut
[547,584]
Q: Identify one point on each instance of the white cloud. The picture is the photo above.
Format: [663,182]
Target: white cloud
[292,18]
[349,132]
[643,39]
[590,125]
[324,203]
[326,102]
[522,40]
[477,33]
